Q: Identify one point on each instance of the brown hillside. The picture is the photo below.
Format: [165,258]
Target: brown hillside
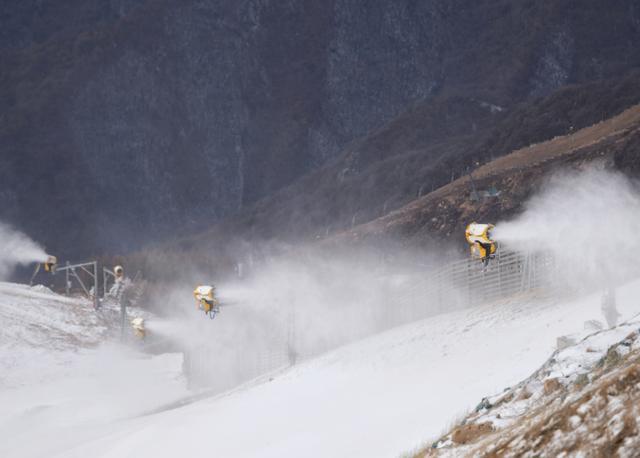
[444,212]
[422,150]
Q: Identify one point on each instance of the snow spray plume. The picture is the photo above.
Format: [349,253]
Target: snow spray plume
[290,308]
[16,248]
[589,220]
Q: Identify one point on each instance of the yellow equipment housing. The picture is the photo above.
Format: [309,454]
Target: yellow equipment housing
[50,264]
[118,271]
[138,327]
[479,238]
[206,297]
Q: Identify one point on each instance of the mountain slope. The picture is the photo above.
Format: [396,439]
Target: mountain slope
[398,168]
[424,149]
[182,116]
[61,373]
[446,211]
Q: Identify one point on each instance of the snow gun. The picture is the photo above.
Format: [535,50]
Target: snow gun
[138,327]
[207,301]
[482,246]
[50,264]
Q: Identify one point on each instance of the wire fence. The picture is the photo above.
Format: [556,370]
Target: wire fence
[468,282]
[457,285]
[509,273]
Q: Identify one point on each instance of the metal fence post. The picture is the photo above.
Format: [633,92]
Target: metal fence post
[66,279]
[123,318]
[96,284]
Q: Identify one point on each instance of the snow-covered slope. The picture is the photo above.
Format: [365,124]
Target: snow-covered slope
[61,379]
[38,323]
[378,397]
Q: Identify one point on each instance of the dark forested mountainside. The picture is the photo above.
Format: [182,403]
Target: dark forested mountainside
[129,121]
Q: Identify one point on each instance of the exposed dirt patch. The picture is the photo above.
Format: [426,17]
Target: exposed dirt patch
[466,434]
[551,385]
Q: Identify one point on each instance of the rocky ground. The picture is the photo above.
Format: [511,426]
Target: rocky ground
[584,401]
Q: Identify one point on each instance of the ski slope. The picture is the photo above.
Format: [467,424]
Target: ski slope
[60,378]
[36,324]
[381,396]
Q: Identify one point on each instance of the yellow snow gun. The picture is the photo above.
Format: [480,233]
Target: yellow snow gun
[480,242]
[139,329]
[206,299]
[50,264]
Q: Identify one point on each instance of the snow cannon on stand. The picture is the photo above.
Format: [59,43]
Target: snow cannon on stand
[50,264]
[118,272]
[207,301]
[139,329]
[482,246]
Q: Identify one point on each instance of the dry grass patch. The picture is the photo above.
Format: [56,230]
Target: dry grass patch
[468,433]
